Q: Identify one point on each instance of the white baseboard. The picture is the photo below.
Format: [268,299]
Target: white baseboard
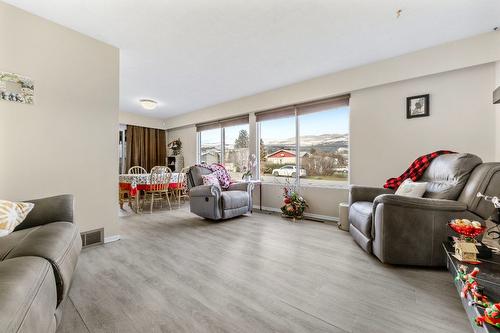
[307,215]
[112,238]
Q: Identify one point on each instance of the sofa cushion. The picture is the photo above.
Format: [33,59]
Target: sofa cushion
[234,199]
[57,242]
[447,175]
[28,295]
[10,241]
[360,216]
[12,214]
[211,179]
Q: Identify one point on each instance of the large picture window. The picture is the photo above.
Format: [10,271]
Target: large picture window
[236,150]
[308,143]
[324,147]
[210,146]
[277,148]
[225,142]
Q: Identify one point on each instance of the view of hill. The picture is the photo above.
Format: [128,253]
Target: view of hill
[323,142]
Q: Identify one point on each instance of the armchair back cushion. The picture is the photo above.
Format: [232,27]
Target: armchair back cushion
[485,179]
[447,175]
[195,174]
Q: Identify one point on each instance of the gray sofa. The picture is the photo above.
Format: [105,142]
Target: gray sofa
[37,262]
[410,231]
[210,202]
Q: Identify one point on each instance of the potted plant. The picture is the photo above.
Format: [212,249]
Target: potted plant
[176,147]
[293,203]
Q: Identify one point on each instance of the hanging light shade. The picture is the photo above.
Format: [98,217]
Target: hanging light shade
[148,104]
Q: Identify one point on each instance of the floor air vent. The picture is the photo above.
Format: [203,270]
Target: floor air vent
[93,237]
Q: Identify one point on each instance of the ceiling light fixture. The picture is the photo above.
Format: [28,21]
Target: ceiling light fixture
[148,104]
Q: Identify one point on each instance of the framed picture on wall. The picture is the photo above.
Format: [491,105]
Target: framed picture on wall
[417,106]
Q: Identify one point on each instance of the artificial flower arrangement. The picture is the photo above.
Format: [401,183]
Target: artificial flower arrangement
[293,203]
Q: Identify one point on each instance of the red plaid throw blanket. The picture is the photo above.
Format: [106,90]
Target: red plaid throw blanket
[416,169]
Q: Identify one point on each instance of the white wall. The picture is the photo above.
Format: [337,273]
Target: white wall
[383,142]
[128,118]
[497,114]
[67,141]
[188,138]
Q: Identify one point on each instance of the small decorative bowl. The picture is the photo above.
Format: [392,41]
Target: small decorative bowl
[467,230]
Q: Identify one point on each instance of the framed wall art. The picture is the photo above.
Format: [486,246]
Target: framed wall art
[417,106]
[16,88]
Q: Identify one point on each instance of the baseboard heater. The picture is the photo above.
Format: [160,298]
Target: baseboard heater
[92,237]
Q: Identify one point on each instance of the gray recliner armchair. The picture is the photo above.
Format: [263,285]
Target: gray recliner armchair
[210,202]
[410,231]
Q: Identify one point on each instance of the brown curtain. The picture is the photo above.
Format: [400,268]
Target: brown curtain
[146,147]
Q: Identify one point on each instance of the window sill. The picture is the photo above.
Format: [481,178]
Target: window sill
[328,186]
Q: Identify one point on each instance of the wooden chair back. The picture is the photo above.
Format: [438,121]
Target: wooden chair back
[159,179]
[182,176]
[137,170]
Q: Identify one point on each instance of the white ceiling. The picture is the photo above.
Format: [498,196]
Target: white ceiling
[189,54]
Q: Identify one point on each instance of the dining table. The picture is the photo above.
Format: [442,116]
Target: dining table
[134,183]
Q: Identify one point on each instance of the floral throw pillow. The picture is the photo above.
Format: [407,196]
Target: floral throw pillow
[211,179]
[12,214]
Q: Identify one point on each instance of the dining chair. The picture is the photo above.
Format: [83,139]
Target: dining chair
[122,196]
[136,170]
[180,190]
[158,186]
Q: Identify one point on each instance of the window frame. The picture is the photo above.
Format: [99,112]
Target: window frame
[297,159]
[222,144]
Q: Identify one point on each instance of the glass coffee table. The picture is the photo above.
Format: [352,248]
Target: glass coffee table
[488,278]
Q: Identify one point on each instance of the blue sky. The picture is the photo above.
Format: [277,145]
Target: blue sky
[335,122]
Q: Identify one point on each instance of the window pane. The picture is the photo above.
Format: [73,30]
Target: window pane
[210,147]
[277,149]
[324,147]
[236,143]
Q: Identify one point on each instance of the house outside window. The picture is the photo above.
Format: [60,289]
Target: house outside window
[225,142]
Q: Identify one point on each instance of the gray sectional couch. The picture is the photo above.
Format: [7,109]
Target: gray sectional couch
[410,231]
[37,262]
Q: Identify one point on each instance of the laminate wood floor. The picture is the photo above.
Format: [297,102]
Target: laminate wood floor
[175,272]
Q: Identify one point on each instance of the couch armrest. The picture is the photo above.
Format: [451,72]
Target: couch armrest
[48,210]
[204,191]
[420,203]
[410,231]
[366,193]
[241,186]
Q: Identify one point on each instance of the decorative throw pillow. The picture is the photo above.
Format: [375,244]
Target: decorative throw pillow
[12,214]
[211,179]
[409,188]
